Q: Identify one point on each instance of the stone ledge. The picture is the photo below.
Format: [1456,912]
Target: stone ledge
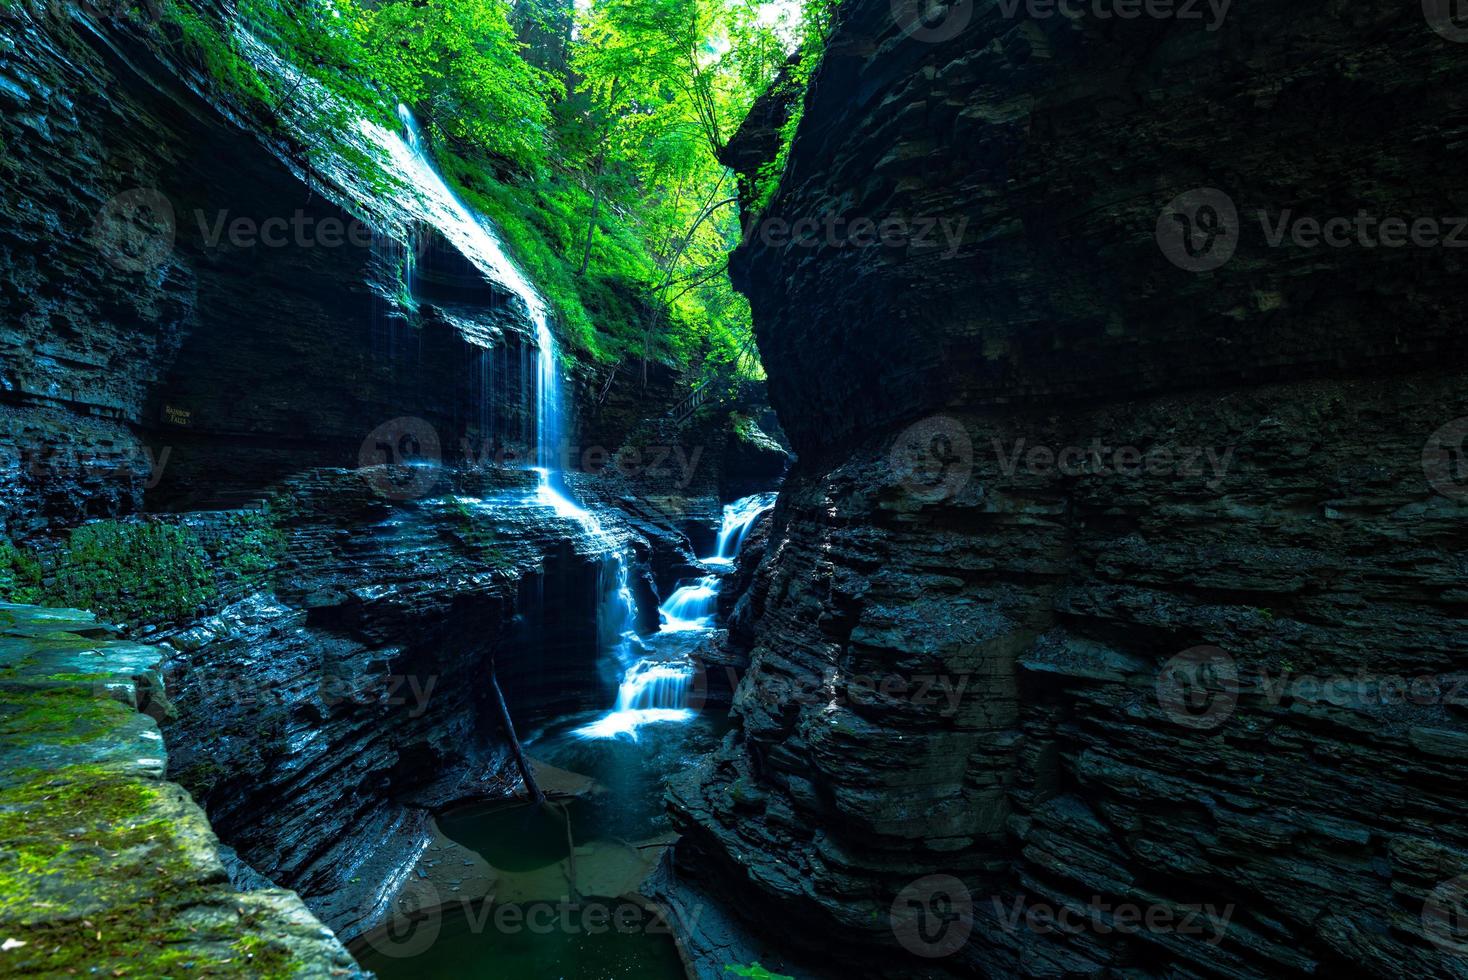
[106,867]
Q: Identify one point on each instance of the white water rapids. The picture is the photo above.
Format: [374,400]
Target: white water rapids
[655,690]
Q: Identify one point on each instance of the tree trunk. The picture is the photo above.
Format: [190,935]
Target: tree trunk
[531,786]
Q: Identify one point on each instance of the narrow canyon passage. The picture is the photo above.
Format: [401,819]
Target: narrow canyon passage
[771,489]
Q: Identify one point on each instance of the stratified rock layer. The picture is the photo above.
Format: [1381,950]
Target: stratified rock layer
[108,868]
[1040,461]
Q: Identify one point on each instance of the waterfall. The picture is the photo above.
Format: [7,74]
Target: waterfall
[649,692]
[691,607]
[657,690]
[547,399]
[738,518]
[617,616]
[479,244]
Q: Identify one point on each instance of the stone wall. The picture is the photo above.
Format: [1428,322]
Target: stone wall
[1101,523]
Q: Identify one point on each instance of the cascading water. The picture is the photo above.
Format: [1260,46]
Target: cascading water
[739,517]
[617,609]
[657,690]
[691,607]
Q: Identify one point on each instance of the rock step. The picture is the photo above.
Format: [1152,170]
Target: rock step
[109,868]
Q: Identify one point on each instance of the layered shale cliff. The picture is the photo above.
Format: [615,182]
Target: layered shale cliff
[224,336]
[1112,620]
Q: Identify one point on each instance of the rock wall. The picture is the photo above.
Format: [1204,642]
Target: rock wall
[1111,619]
[194,309]
[110,868]
[154,359]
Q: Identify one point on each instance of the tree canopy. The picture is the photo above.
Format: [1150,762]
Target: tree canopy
[591,136]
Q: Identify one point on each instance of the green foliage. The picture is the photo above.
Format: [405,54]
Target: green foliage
[214,50]
[20,574]
[755,972]
[459,62]
[145,572]
[606,184]
[747,430]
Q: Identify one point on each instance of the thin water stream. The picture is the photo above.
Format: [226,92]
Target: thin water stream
[598,847]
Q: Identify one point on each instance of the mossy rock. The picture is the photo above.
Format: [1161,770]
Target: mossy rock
[105,868]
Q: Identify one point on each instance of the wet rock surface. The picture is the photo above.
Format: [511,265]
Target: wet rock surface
[322,723]
[1036,471]
[109,868]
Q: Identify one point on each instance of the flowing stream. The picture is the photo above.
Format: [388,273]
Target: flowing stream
[656,683]
[651,730]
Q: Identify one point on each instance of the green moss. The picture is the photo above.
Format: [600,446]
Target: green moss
[250,548]
[20,574]
[754,972]
[71,825]
[268,960]
[98,882]
[58,714]
[477,533]
[134,572]
[202,41]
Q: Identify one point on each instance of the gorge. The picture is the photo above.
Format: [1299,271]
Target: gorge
[661,488]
